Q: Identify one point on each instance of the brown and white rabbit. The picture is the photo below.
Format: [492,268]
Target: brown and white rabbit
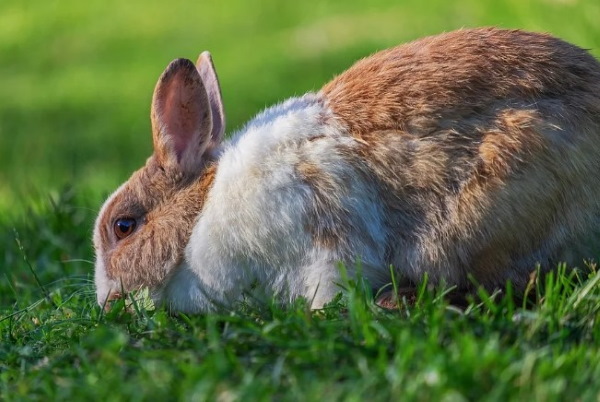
[469,156]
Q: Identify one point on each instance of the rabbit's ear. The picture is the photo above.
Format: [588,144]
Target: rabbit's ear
[181,118]
[207,72]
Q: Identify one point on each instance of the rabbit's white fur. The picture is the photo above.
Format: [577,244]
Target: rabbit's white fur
[252,225]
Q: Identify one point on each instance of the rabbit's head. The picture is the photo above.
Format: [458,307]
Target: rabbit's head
[142,229]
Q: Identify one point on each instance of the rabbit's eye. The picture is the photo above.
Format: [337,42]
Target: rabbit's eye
[124,227]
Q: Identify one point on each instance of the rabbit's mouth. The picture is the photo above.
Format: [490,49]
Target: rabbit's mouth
[131,301]
[110,291]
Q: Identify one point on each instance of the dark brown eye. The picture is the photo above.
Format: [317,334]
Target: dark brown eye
[124,227]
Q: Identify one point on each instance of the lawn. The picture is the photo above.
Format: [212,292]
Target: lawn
[76,80]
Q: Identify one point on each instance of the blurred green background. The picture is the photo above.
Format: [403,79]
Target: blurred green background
[76,77]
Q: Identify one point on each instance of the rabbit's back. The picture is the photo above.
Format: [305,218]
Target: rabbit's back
[451,79]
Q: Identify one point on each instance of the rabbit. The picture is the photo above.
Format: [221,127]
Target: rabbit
[471,157]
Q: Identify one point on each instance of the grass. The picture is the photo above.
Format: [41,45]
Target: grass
[63,347]
[75,86]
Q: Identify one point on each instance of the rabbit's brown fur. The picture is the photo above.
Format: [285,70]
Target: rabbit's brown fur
[465,132]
